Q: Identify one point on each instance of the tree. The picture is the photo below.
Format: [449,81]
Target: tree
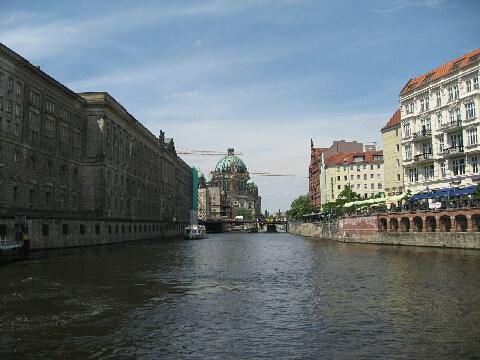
[348,195]
[246,213]
[301,206]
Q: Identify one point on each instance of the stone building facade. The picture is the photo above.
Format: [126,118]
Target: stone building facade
[440,122]
[230,188]
[80,167]
[392,155]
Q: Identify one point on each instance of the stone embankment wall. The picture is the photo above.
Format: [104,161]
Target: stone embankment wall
[364,229]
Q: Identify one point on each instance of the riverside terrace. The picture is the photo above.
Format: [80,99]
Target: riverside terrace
[446,210]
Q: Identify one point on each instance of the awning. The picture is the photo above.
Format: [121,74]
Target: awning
[445,193]
[365,202]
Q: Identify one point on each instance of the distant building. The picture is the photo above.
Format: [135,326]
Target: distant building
[440,121]
[230,188]
[316,155]
[361,171]
[80,167]
[392,155]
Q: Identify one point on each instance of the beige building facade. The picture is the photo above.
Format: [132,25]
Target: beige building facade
[440,125]
[392,156]
[361,171]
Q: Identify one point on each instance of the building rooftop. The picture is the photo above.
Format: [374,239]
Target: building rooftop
[473,57]
[394,120]
[355,158]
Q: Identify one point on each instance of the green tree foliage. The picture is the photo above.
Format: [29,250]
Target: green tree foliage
[301,206]
[246,213]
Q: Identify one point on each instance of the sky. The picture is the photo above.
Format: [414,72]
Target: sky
[261,76]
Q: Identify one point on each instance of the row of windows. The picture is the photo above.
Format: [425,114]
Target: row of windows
[365,177]
[360,167]
[365,186]
[111,229]
[454,117]
[457,167]
[453,93]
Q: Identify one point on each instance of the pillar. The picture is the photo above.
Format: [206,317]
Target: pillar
[412,225]
[454,224]
[469,223]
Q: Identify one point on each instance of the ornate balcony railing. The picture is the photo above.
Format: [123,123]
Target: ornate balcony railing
[423,157]
[452,125]
[422,134]
[452,150]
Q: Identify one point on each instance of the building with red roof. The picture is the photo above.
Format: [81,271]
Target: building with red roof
[439,125]
[392,155]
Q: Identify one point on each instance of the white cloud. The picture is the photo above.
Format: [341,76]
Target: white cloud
[394,6]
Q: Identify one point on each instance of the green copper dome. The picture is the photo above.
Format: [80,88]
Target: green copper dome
[231,162]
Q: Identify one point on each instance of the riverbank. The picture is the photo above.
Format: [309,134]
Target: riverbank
[332,231]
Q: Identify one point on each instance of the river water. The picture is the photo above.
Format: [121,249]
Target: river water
[243,296]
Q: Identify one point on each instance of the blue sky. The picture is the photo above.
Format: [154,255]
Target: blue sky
[263,76]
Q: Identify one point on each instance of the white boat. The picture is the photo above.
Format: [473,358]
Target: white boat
[195,232]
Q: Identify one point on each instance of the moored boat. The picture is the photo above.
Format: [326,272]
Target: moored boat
[195,232]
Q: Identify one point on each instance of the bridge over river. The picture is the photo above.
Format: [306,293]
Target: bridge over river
[253,225]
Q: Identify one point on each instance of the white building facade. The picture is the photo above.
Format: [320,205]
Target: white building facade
[440,126]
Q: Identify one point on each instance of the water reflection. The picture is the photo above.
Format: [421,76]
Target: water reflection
[243,296]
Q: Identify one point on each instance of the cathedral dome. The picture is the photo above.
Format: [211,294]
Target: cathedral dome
[231,163]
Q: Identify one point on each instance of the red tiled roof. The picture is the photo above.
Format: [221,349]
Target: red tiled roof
[461,62]
[316,153]
[347,158]
[394,120]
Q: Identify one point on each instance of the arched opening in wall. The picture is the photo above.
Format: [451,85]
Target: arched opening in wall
[393,224]
[405,224]
[461,223]
[431,223]
[445,223]
[476,222]
[418,223]
[382,224]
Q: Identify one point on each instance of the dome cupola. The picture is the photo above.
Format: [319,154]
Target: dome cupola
[231,163]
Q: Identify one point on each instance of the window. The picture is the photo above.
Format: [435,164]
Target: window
[372,186]
[358,186]
[64,133]
[35,98]
[428,172]
[17,156]
[406,130]
[351,177]
[413,174]
[453,93]
[439,121]
[372,176]
[398,163]
[441,144]
[439,99]
[469,85]
[338,178]
[398,148]
[470,110]
[364,167]
[474,164]
[396,132]
[358,177]
[45,229]
[424,104]
[410,107]
[357,159]
[456,140]
[398,177]
[427,147]
[65,229]
[18,89]
[379,185]
[365,186]
[34,130]
[458,167]
[18,110]
[9,106]
[472,136]
[408,152]
[345,178]
[443,169]
[50,106]
[475,83]
[76,138]
[364,176]
[339,187]
[97,229]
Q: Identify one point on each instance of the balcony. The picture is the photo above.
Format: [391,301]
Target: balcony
[422,134]
[453,150]
[423,157]
[452,125]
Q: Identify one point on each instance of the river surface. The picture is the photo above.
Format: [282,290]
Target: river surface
[243,296]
